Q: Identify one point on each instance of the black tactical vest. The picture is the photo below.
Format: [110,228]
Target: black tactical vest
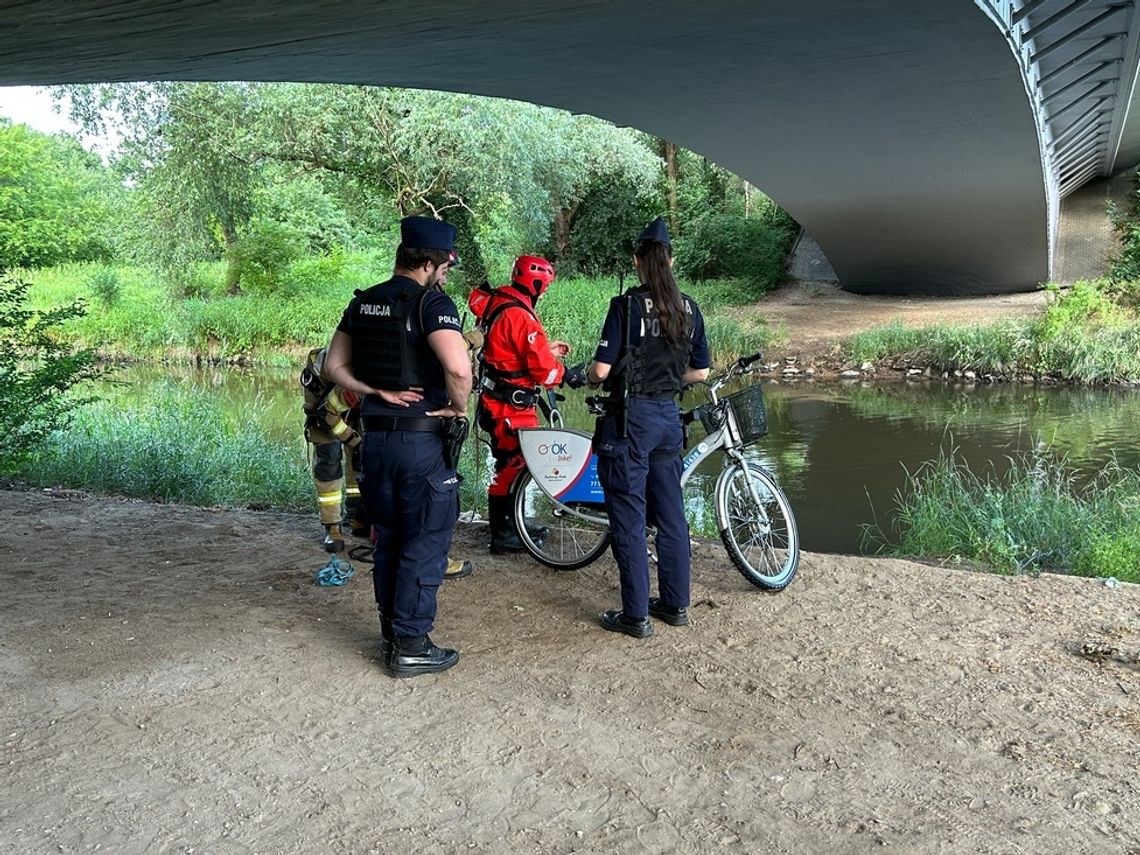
[654,366]
[385,352]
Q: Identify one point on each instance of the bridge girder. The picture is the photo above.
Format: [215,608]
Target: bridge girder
[907,138]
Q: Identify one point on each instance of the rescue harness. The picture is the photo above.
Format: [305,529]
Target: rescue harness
[494,382]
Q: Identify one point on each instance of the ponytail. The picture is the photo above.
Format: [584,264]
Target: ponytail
[657,276]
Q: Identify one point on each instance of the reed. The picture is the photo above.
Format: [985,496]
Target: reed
[175,448]
[1036,516]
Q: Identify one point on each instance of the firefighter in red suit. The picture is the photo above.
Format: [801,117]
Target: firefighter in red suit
[519,362]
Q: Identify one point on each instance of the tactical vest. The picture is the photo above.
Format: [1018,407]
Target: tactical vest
[385,355]
[654,366]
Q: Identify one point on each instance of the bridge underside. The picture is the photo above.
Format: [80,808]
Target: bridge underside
[900,135]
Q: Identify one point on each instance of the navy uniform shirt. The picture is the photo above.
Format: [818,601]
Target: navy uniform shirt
[439,313]
[613,332]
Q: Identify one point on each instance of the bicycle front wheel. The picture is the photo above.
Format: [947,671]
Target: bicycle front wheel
[757,526]
[565,537]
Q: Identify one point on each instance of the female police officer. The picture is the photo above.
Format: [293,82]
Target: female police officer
[652,343]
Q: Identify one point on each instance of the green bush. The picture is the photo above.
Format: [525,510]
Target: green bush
[601,241]
[731,246]
[105,284]
[38,373]
[261,257]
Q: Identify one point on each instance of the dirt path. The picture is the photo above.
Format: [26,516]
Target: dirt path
[816,316]
[173,681]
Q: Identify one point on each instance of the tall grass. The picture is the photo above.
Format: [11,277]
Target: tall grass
[1083,337]
[145,320]
[574,310]
[175,448]
[1037,516]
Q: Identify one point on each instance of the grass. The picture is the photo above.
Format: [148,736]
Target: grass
[140,319]
[1084,336]
[177,447]
[1037,516]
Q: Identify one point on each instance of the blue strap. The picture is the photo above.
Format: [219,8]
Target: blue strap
[336,572]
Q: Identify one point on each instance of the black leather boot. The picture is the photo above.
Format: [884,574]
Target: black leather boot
[504,537]
[414,656]
[387,642]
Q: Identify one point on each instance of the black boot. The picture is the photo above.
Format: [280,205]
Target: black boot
[334,539]
[504,537]
[414,656]
[387,641]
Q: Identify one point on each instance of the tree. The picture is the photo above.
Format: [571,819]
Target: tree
[37,373]
[55,200]
[185,147]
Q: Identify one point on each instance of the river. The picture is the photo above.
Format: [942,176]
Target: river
[841,451]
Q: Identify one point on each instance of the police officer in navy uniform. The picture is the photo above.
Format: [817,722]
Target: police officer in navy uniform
[652,343]
[399,345]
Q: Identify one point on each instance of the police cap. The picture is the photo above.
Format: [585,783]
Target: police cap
[426,233]
[658,232]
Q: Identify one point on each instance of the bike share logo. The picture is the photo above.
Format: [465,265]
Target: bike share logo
[694,454]
[558,449]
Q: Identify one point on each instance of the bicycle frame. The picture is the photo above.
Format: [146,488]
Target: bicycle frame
[564,467]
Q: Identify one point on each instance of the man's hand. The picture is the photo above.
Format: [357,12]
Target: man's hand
[449,412]
[400,399]
[560,349]
[575,376]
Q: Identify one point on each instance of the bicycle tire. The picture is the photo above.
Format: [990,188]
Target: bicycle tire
[757,539]
[570,542]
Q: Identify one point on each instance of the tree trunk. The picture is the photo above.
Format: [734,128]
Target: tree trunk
[233,274]
[669,154]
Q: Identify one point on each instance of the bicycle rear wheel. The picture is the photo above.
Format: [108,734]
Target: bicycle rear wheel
[761,539]
[570,542]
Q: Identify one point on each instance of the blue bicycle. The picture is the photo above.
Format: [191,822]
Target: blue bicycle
[559,493]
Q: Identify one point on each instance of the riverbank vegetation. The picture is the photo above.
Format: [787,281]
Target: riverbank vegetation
[1037,516]
[1089,333]
[133,317]
[38,374]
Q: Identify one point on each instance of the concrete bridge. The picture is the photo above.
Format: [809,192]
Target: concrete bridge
[926,146]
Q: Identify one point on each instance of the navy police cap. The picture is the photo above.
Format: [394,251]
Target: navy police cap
[426,233]
[658,232]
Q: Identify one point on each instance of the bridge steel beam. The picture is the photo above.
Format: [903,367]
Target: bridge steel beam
[912,140]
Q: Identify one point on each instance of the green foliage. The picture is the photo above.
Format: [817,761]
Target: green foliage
[610,216]
[37,373]
[1125,267]
[105,285]
[213,165]
[55,200]
[176,448]
[1083,336]
[732,246]
[262,255]
[1037,516]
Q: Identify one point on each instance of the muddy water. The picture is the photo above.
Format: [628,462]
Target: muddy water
[841,452]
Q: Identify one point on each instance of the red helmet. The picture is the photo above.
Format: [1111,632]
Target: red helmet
[532,274]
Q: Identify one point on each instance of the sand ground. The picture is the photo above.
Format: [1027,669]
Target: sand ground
[173,681]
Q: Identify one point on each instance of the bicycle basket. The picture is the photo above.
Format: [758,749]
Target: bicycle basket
[751,416]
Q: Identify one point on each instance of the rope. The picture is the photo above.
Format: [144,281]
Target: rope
[336,572]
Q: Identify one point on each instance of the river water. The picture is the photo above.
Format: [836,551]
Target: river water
[841,451]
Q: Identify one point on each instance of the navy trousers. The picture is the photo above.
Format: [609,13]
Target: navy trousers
[641,477]
[413,501]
